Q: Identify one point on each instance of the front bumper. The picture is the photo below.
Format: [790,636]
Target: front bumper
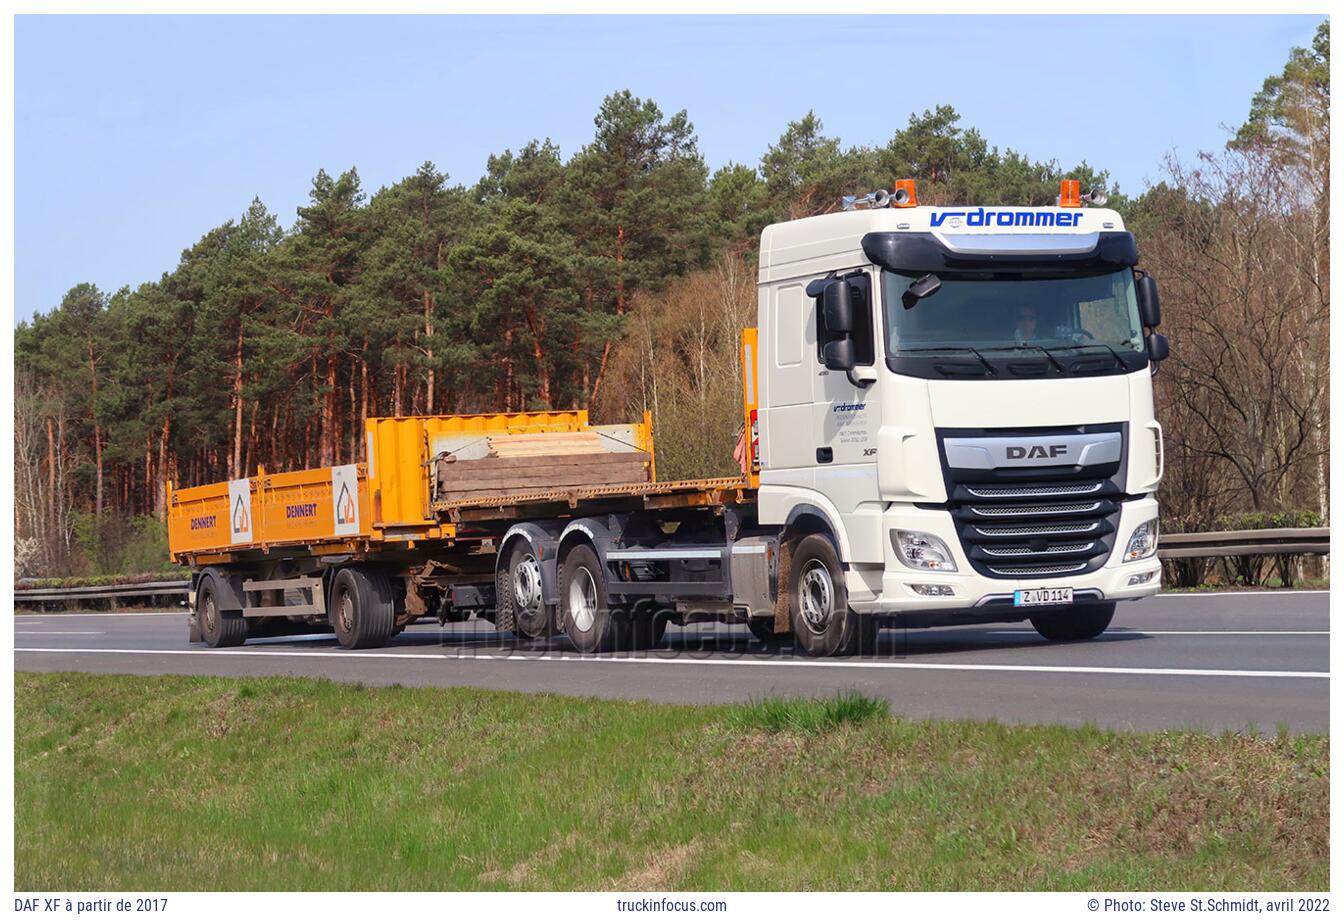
[891,588]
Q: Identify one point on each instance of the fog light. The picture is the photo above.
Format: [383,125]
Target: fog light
[1141,579]
[933,590]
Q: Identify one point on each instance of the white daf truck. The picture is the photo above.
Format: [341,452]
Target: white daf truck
[959,401]
[948,417]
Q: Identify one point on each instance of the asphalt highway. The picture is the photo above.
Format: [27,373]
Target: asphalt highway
[1234,661]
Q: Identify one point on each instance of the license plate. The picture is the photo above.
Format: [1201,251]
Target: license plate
[1036,597]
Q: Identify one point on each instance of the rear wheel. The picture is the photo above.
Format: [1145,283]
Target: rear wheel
[219,628]
[587,616]
[1075,624]
[361,607]
[518,596]
[823,622]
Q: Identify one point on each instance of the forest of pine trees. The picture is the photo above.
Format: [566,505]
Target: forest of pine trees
[616,279]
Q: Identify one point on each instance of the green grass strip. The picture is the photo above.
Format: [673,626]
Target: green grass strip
[167,783]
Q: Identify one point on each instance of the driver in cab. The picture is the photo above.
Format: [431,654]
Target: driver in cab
[1024,331]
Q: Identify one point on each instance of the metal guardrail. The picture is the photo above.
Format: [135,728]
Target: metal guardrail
[145,589]
[1286,541]
[1275,540]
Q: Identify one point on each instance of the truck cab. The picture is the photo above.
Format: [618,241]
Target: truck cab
[960,400]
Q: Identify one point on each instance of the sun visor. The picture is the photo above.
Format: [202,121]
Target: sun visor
[941,251]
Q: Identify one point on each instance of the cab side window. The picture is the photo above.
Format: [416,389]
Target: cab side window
[861,298]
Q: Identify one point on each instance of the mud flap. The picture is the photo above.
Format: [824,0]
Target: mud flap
[783,622]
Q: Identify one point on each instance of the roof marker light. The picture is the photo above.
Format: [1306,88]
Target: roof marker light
[904,195]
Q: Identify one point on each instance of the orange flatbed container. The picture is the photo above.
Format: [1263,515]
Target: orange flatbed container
[393,497]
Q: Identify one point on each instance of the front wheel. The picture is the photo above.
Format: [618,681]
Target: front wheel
[1076,624]
[823,622]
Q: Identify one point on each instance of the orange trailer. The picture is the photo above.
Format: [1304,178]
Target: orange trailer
[452,516]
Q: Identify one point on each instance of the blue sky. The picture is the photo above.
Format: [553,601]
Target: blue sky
[137,134]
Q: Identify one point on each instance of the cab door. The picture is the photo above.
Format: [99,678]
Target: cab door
[845,420]
[785,376]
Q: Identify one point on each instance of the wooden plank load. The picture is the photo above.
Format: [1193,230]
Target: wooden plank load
[538,462]
[495,476]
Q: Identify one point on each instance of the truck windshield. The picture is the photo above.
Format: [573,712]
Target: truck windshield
[986,312]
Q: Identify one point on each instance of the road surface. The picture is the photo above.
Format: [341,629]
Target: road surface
[1212,661]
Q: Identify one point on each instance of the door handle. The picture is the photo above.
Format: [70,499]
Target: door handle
[825,455]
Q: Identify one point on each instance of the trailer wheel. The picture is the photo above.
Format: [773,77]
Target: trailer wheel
[219,628]
[588,619]
[823,622]
[519,605]
[361,608]
[1084,621]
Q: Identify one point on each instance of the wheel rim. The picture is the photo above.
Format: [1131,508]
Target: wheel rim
[208,612]
[347,611]
[527,583]
[583,600]
[817,596]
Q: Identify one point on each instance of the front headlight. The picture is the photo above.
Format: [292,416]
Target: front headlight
[1143,542]
[922,551]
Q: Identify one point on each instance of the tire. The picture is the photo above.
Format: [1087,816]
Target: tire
[823,623]
[219,628]
[518,599]
[361,608]
[647,625]
[1076,624]
[588,619]
[763,628]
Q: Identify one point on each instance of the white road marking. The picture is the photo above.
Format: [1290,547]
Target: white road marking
[726,662]
[1136,631]
[56,632]
[280,640]
[1272,592]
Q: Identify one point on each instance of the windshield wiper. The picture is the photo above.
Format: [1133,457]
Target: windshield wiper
[1024,346]
[989,367]
[1114,354]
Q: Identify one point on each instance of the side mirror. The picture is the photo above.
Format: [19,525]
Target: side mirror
[835,302]
[1158,349]
[839,355]
[1150,308]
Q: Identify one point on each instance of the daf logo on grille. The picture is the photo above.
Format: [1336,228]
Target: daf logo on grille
[1036,451]
[1022,450]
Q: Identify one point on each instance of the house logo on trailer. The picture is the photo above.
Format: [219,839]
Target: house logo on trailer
[240,511]
[345,500]
[345,506]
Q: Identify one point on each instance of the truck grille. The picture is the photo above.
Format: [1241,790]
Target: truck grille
[1027,571]
[1033,530]
[1051,520]
[1025,530]
[1054,490]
